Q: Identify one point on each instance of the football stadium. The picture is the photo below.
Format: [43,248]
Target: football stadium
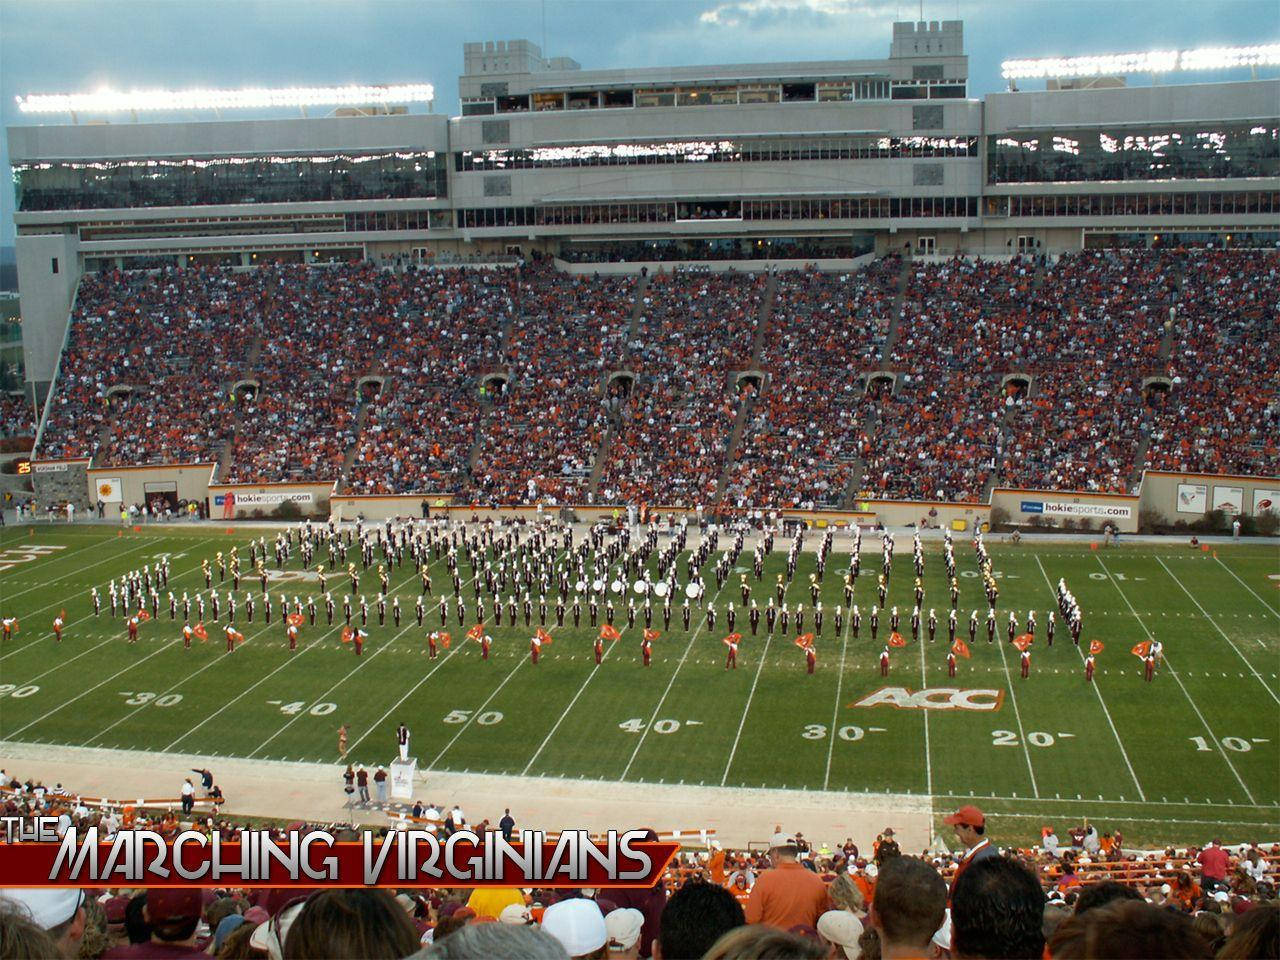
[862,481]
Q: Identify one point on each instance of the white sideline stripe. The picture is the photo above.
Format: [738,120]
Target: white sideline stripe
[1205,614]
[85,693]
[928,752]
[1270,609]
[1017,715]
[1173,673]
[1102,703]
[670,683]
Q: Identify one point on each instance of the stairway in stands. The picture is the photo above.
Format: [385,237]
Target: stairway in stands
[747,401]
[223,468]
[606,439]
[857,473]
[1166,349]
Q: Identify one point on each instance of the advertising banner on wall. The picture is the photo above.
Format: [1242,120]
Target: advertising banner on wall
[109,490]
[243,499]
[1228,499]
[1265,500]
[1193,498]
[1060,508]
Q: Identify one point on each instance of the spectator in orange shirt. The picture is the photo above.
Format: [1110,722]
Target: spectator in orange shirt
[788,895]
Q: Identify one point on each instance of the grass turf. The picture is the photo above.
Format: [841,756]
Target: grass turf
[1193,753]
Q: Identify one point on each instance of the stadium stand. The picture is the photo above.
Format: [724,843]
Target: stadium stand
[17,422]
[800,388]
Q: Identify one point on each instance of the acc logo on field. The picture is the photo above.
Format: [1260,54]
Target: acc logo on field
[933,698]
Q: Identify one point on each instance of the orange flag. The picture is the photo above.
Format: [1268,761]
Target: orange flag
[200,631]
[897,640]
[1023,641]
[347,635]
[732,639]
[1095,646]
[608,632]
[1140,650]
[961,649]
[651,635]
[546,637]
[476,632]
[804,640]
[296,619]
[143,616]
[445,639]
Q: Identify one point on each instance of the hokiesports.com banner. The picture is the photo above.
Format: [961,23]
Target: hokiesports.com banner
[243,499]
[1060,508]
[33,856]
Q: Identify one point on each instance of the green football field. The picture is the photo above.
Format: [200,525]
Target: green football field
[1195,751]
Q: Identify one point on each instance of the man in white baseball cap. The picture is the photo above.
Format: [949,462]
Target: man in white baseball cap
[59,911]
[579,926]
[623,927]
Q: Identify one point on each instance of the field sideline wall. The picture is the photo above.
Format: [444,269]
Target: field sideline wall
[1160,493]
[1053,507]
[190,480]
[55,481]
[262,499]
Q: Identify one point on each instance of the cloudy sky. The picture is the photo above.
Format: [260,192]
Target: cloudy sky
[59,46]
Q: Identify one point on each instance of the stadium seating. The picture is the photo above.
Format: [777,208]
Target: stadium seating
[17,421]
[1022,372]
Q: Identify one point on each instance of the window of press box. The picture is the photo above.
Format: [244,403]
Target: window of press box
[792,92]
[583,99]
[619,98]
[513,104]
[477,109]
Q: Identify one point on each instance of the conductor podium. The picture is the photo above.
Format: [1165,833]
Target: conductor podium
[402,772]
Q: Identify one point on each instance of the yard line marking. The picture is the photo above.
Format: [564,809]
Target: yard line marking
[547,739]
[1221,631]
[1017,715]
[928,753]
[835,710]
[764,654]
[85,693]
[670,683]
[1270,609]
[412,691]
[1173,673]
[475,713]
[747,709]
[1102,703]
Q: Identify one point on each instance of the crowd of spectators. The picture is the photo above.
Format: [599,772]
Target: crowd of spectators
[1222,414]
[543,439]
[670,446]
[1084,895]
[17,419]
[1027,372]
[418,434]
[810,424]
[149,354]
[662,251]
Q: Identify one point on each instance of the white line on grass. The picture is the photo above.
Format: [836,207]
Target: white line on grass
[547,739]
[764,655]
[47,583]
[1173,673]
[1102,703]
[670,683]
[412,690]
[1017,716]
[477,712]
[85,693]
[835,711]
[928,753]
[1221,631]
[1270,609]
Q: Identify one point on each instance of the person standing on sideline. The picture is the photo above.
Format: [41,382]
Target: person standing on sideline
[362,781]
[342,741]
[380,782]
[188,796]
[507,825]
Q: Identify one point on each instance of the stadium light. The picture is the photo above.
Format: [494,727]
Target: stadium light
[1154,61]
[114,101]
